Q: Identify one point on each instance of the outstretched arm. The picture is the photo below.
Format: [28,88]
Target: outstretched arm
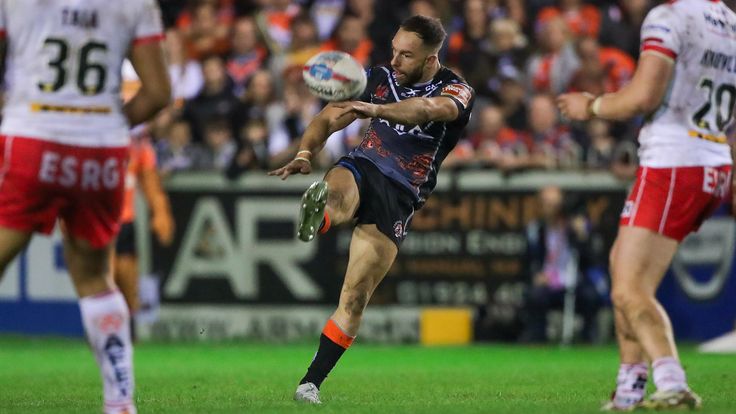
[328,121]
[642,95]
[413,111]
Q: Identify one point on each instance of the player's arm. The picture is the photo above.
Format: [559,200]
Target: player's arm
[162,223]
[412,111]
[328,121]
[642,95]
[155,91]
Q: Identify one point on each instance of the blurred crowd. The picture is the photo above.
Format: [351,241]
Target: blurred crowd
[240,102]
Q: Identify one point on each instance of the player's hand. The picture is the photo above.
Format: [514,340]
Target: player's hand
[293,167]
[162,225]
[360,109]
[575,106]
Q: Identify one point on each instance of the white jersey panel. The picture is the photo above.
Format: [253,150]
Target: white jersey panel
[689,127]
[63,67]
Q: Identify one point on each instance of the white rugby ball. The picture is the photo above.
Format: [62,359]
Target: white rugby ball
[334,76]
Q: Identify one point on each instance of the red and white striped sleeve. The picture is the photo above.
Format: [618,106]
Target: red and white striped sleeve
[149,27]
[660,32]
[2,20]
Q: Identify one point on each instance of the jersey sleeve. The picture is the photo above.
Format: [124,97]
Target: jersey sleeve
[375,78]
[463,96]
[149,27]
[2,20]
[660,32]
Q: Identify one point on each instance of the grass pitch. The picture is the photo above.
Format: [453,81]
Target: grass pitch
[59,376]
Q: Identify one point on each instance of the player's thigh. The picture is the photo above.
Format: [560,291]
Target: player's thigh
[371,255]
[344,195]
[90,266]
[639,259]
[11,243]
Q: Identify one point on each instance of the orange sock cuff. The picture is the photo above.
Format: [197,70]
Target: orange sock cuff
[325,224]
[336,334]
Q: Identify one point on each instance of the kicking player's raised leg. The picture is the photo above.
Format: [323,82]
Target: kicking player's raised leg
[640,261]
[327,203]
[371,256]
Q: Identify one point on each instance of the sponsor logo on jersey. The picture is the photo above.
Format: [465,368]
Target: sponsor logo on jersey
[459,91]
[381,92]
[398,229]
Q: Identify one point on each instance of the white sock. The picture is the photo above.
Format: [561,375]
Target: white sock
[669,375]
[107,322]
[631,384]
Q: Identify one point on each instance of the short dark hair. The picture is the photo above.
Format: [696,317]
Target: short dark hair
[428,29]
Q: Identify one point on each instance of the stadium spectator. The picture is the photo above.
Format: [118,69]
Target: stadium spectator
[551,69]
[620,23]
[465,45]
[603,152]
[208,33]
[558,257]
[185,73]
[504,51]
[552,142]
[602,69]
[216,99]
[246,55]
[275,21]
[176,152]
[493,144]
[219,144]
[581,19]
[252,149]
[304,45]
[512,97]
[351,37]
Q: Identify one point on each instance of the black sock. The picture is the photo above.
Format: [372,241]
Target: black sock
[325,359]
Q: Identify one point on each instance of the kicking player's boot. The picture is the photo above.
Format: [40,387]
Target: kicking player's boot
[312,211]
[672,400]
[308,393]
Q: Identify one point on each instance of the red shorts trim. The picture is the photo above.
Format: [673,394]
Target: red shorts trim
[674,202]
[41,181]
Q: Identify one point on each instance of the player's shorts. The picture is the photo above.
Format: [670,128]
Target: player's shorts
[383,202]
[41,181]
[675,201]
[125,243]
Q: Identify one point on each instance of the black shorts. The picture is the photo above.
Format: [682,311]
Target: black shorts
[125,244]
[383,201]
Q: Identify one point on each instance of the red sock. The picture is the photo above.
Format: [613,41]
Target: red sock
[325,224]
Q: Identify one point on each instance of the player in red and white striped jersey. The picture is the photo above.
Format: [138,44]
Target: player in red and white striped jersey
[64,147]
[685,84]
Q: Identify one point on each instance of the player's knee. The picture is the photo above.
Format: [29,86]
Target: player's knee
[624,298]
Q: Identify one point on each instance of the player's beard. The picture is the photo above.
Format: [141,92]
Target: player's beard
[410,78]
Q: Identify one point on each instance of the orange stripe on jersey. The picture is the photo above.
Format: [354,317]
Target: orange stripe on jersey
[148,39]
[336,335]
[40,107]
[720,139]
